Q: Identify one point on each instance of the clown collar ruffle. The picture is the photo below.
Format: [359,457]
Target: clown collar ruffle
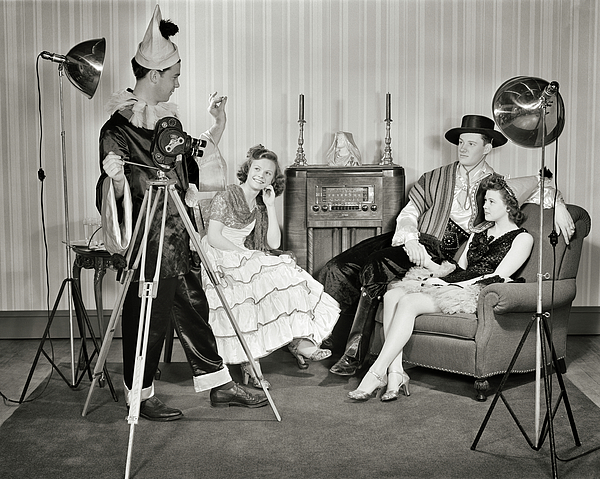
[140,114]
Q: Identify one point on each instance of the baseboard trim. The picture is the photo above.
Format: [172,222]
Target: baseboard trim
[584,320]
[32,324]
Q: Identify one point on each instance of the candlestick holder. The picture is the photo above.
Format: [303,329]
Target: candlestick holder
[387,159]
[300,158]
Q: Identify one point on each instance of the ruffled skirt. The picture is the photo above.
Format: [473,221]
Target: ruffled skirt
[272,299]
[450,298]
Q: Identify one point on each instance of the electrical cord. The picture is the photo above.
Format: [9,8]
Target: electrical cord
[89,243]
[554,241]
[41,176]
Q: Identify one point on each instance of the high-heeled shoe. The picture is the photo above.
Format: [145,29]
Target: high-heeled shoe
[300,360]
[317,354]
[320,354]
[249,377]
[392,395]
[360,395]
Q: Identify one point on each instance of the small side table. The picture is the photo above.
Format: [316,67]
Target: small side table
[99,261]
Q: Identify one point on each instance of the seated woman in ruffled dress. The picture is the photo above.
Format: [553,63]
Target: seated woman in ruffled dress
[274,301]
[493,255]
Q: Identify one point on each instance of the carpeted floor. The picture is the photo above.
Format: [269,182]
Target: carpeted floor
[322,434]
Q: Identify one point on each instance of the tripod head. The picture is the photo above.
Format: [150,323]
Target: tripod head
[161,179]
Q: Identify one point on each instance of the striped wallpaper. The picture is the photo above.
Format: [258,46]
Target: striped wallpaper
[439,59]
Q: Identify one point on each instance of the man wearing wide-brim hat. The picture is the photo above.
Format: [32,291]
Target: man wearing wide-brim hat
[444,208]
[127,166]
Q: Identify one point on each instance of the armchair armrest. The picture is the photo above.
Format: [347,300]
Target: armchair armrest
[505,298]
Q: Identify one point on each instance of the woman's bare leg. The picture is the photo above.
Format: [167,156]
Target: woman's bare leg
[399,330]
[390,305]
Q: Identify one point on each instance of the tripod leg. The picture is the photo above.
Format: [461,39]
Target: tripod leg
[148,291]
[83,363]
[562,395]
[108,337]
[561,382]
[549,414]
[502,382]
[547,427]
[141,349]
[40,349]
[213,277]
[118,307]
[129,451]
[105,375]
[83,321]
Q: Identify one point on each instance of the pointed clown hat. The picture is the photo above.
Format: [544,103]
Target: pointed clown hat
[157,52]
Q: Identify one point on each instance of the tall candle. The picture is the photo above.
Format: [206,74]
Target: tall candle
[388,107]
[301,107]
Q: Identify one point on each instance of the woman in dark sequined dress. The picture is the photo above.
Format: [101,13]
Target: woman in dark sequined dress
[490,256]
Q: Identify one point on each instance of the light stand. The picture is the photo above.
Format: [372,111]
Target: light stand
[83,67]
[530,112]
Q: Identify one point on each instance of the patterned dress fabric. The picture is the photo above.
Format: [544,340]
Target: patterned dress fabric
[483,257]
[272,299]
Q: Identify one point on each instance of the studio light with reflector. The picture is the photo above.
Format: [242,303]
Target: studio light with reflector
[83,66]
[530,112]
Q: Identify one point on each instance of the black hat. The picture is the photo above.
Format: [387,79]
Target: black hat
[477,124]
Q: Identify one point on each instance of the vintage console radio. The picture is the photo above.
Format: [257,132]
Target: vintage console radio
[343,198]
[329,209]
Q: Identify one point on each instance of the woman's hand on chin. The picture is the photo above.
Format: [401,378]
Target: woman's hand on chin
[268,194]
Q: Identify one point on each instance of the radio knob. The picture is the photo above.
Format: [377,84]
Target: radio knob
[373,207]
[324,207]
[365,207]
[315,208]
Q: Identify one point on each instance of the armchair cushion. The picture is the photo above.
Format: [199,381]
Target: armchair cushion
[460,325]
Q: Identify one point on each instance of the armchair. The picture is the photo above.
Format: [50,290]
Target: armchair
[482,345]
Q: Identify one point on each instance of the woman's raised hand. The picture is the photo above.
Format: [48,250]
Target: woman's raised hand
[268,194]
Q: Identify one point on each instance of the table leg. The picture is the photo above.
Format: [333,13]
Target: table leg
[99,272]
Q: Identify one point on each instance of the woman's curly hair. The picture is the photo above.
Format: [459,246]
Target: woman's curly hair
[498,183]
[259,152]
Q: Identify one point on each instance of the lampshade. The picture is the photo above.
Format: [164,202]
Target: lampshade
[517,107]
[83,64]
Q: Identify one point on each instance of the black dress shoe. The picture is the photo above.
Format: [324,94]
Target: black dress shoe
[154,409]
[346,366]
[237,396]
